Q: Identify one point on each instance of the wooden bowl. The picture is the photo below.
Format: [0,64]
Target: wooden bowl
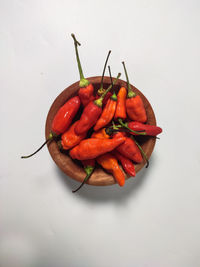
[74,170]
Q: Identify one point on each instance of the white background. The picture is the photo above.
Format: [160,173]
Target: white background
[154,220]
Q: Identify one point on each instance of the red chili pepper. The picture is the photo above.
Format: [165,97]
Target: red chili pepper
[91,113]
[151,130]
[129,148]
[92,148]
[127,164]
[61,121]
[70,139]
[106,98]
[65,115]
[138,128]
[89,166]
[86,88]
[134,104]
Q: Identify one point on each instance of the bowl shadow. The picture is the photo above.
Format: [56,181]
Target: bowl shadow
[102,194]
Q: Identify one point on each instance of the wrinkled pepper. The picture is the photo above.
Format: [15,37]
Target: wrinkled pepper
[91,113]
[134,104]
[100,134]
[129,148]
[89,166]
[61,121]
[126,163]
[69,139]
[86,88]
[110,164]
[93,147]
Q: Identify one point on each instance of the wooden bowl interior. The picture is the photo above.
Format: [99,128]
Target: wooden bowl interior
[74,169]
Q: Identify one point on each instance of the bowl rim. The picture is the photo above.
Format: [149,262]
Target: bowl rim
[65,163]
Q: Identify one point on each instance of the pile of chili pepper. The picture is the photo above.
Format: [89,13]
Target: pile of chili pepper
[116,120]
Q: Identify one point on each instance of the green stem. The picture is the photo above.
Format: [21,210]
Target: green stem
[114,96]
[101,89]
[142,151]
[114,126]
[50,138]
[130,91]
[99,101]
[126,126]
[83,81]
[89,170]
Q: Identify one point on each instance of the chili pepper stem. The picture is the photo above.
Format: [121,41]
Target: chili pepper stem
[89,170]
[130,91]
[101,89]
[83,82]
[126,126]
[142,151]
[114,96]
[50,138]
[99,101]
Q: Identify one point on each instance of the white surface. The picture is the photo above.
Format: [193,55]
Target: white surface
[154,220]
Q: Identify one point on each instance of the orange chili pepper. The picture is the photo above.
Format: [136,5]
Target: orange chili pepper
[109,163]
[70,139]
[134,104]
[108,111]
[121,104]
[101,134]
[92,147]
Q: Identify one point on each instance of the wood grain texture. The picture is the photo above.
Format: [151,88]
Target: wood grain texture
[66,164]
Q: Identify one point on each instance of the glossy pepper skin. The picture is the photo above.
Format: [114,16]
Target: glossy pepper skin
[89,117]
[107,113]
[86,94]
[100,134]
[109,163]
[129,148]
[134,105]
[92,148]
[121,104]
[126,163]
[70,139]
[106,98]
[151,130]
[65,115]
